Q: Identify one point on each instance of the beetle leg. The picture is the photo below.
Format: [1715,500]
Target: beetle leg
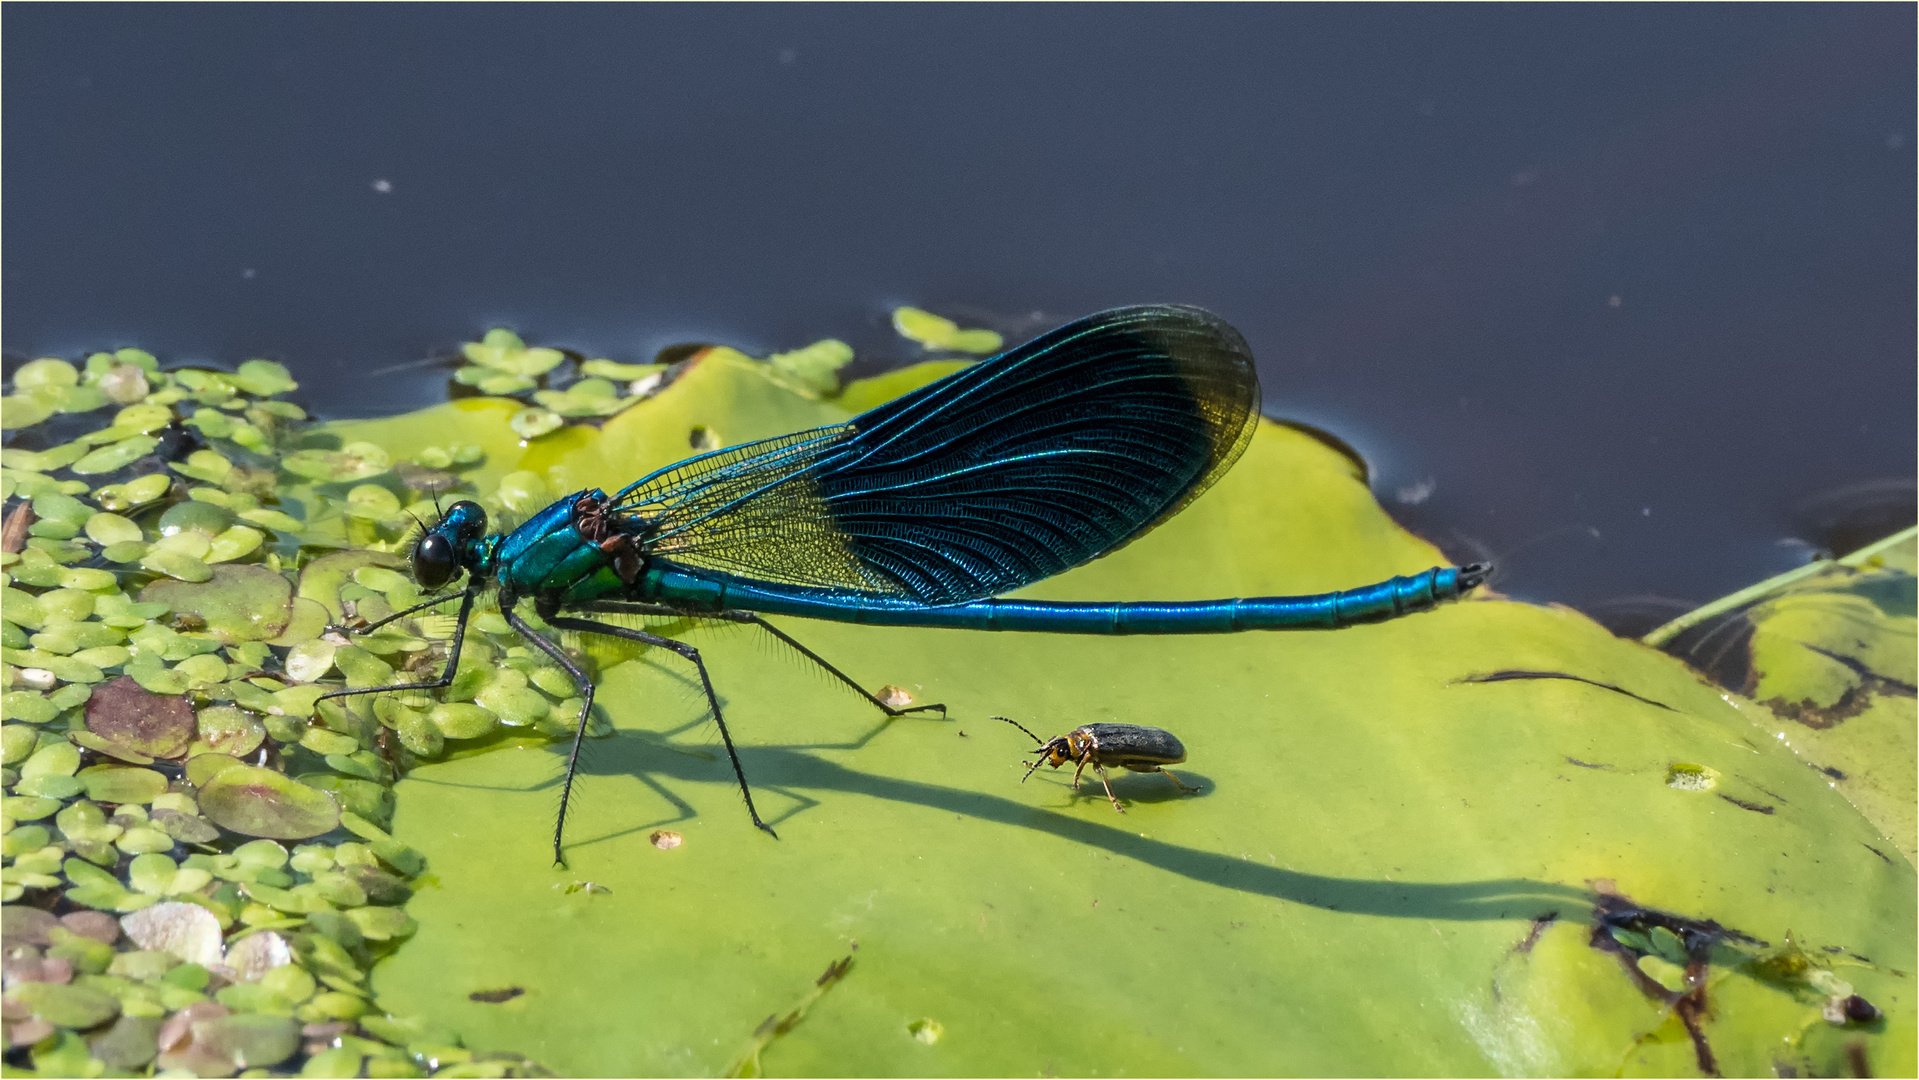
[1101,770]
[1176,783]
[1080,767]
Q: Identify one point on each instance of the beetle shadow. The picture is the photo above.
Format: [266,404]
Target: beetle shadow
[1132,789]
[791,771]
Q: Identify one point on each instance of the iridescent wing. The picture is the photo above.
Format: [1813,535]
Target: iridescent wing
[1035,461]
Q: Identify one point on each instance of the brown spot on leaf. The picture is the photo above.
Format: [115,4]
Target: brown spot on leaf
[494,997]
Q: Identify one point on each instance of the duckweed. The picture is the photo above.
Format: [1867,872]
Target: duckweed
[936,332]
[531,423]
[158,663]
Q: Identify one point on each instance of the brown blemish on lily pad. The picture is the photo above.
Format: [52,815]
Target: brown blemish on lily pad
[494,997]
[253,801]
[238,603]
[127,714]
[666,839]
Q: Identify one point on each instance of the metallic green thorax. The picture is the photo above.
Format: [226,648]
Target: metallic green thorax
[566,554]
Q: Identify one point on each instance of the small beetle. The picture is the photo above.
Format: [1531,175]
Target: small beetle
[1141,749]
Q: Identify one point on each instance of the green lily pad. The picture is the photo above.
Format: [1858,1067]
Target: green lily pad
[204,518]
[353,461]
[228,730]
[1404,842]
[236,602]
[1832,656]
[115,457]
[22,411]
[321,579]
[156,725]
[502,350]
[133,493]
[264,378]
[532,423]
[46,372]
[815,368]
[122,784]
[253,801]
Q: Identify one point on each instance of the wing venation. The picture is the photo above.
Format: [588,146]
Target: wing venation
[1022,466]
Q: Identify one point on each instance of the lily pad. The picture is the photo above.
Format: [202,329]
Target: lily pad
[353,461]
[938,332]
[157,725]
[122,784]
[203,767]
[236,603]
[253,801]
[1407,836]
[229,730]
[321,579]
[224,1045]
[256,954]
[502,350]
[815,368]
[1829,650]
[65,1005]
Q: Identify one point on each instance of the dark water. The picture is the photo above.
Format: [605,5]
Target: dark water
[1611,293]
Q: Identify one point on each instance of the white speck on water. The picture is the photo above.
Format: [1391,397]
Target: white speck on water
[1414,494]
[383,186]
[247,273]
[1647,512]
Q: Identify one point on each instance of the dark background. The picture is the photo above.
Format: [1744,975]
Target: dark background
[1617,289]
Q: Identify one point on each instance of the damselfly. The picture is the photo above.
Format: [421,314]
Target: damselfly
[917,513]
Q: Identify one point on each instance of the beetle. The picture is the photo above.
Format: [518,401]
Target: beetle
[1130,746]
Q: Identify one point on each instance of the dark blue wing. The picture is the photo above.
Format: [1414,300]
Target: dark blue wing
[1024,465]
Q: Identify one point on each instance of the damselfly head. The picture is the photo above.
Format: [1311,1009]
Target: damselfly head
[439,556]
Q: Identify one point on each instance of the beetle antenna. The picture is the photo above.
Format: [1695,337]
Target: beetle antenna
[1036,739]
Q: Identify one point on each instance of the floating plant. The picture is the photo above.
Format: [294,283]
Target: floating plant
[201,868]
